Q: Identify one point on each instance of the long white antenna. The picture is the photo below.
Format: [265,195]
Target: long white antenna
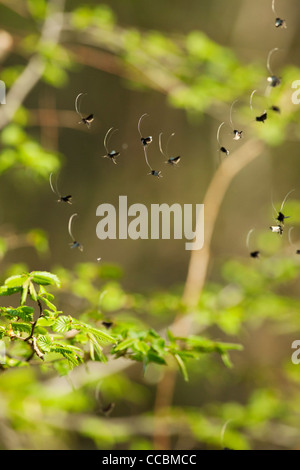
[146,158]
[223,430]
[251,97]
[167,146]
[51,185]
[290,238]
[165,154]
[231,113]
[107,139]
[160,147]
[274,208]
[139,123]
[269,58]
[284,201]
[218,132]
[273,7]
[248,237]
[69,227]
[76,103]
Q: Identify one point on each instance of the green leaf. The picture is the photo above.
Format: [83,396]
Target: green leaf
[63,324]
[9,290]
[125,344]
[25,313]
[45,343]
[101,335]
[21,327]
[182,367]
[48,303]
[44,278]
[47,322]
[153,357]
[32,292]
[25,292]
[16,281]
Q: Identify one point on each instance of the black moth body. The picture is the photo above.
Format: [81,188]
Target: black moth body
[224,150]
[275,108]
[65,199]
[87,120]
[113,155]
[173,160]
[281,217]
[274,81]
[76,244]
[280,23]
[262,118]
[255,254]
[237,134]
[146,140]
[155,173]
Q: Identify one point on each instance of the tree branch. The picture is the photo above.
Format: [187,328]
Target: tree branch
[34,70]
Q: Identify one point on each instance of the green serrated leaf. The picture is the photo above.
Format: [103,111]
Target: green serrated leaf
[32,292]
[24,291]
[48,303]
[127,343]
[45,343]
[63,324]
[44,278]
[21,327]
[16,281]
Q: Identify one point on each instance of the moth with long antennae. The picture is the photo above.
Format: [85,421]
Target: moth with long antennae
[66,199]
[237,135]
[280,216]
[83,120]
[273,80]
[145,142]
[113,154]
[279,22]
[221,148]
[263,116]
[253,254]
[74,243]
[290,241]
[170,160]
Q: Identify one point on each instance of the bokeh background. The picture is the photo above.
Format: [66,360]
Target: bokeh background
[118,93]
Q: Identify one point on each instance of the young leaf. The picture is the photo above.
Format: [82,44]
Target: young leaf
[32,292]
[44,278]
[48,303]
[45,343]
[182,367]
[16,281]
[63,324]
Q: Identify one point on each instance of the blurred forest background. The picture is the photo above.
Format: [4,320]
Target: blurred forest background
[183,64]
